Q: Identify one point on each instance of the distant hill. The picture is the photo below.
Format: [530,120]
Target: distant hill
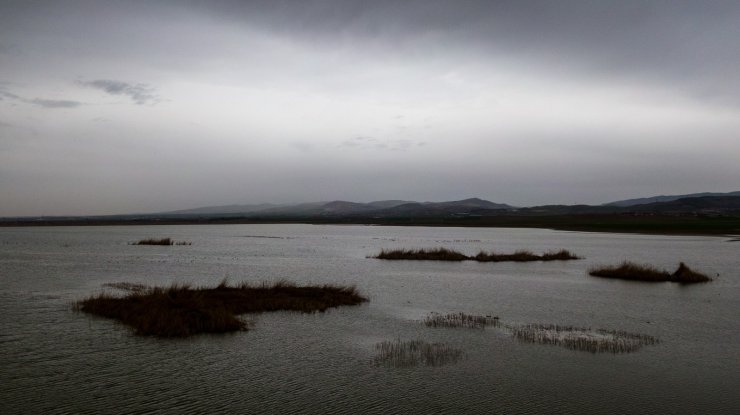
[704,204]
[337,208]
[663,198]
[218,210]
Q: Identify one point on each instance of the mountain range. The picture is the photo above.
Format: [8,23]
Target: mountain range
[706,203]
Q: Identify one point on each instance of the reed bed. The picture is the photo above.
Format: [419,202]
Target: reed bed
[436,254]
[686,275]
[460,320]
[444,254]
[162,241]
[582,339]
[638,272]
[415,352]
[181,310]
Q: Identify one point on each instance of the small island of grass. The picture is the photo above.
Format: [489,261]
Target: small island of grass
[437,254]
[162,241]
[444,254]
[181,311]
[637,272]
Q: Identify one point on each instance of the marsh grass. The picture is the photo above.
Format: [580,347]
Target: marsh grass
[415,352]
[570,337]
[162,241]
[582,339]
[638,272]
[462,320]
[437,254]
[686,275]
[181,310]
[444,254]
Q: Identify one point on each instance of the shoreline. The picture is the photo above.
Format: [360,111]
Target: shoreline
[648,225]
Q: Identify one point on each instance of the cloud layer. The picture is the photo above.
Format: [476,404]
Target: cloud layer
[139,93]
[129,106]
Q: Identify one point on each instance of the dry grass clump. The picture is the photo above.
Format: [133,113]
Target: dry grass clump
[582,339]
[180,310]
[525,256]
[561,255]
[686,275]
[463,320]
[162,241]
[631,271]
[438,254]
[444,254]
[415,352]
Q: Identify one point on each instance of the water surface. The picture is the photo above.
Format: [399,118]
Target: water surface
[57,361]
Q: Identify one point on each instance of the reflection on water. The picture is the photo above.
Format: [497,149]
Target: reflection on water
[58,361]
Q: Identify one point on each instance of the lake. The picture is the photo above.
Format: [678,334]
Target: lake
[55,360]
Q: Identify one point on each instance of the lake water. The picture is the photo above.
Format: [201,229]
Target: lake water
[54,360]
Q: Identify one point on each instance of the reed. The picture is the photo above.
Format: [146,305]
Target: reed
[162,241]
[415,352]
[444,254]
[637,272]
[686,275]
[181,310]
[582,339]
[438,254]
[561,255]
[460,320]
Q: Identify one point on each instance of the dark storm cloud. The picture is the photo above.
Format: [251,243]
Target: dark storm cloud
[54,103]
[685,45]
[139,93]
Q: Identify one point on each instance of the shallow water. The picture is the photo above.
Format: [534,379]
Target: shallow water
[57,361]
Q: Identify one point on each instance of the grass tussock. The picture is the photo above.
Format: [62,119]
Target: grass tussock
[637,272]
[415,352]
[162,241]
[455,320]
[437,254]
[582,339]
[686,275]
[444,254]
[181,310]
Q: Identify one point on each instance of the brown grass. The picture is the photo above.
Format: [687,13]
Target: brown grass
[686,275]
[444,254]
[180,310]
[162,241]
[637,272]
[438,254]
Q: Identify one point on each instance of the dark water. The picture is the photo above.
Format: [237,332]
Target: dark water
[54,360]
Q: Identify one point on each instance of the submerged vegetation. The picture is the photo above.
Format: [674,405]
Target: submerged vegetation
[162,241]
[415,352]
[631,271]
[574,338]
[582,339]
[180,310]
[445,254]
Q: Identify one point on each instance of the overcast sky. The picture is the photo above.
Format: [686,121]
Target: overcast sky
[119,107]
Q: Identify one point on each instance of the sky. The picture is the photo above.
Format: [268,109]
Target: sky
[111,107]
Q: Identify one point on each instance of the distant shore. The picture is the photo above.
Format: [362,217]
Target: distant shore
[650,224]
